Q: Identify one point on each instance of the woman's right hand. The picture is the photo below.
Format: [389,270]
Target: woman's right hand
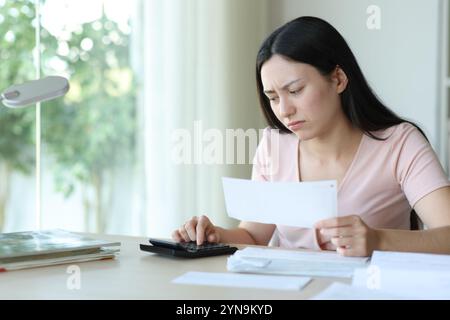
[198,229]
[324,241]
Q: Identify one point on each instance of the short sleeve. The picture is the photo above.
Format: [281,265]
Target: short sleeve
[416,166]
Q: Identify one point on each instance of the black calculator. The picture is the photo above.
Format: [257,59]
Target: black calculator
[187,249]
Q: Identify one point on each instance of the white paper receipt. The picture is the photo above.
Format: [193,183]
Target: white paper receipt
[243,280]
[297,204]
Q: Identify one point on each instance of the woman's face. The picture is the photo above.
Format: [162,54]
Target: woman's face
[304,100]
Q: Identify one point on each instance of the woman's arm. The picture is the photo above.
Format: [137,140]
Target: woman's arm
[435,240]
[201,229]
[353,237]
[247,233]
[434,211]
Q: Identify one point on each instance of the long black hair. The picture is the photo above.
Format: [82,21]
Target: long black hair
[315,42]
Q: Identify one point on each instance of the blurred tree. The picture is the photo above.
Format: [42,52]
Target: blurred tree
[17,41]
[91,132]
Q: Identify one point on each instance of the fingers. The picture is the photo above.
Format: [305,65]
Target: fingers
[328,246]
[349,248]
[177,236]
[191,229]
[351,252]
[349,234]
[337,232]
[344,251]
[342,241]
[213,237]
[210,232]
[196,229]
[202,226]
[184,235]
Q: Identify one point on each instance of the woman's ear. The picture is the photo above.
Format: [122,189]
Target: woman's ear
[340,78]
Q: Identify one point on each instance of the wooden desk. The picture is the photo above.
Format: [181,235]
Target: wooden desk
[137,275]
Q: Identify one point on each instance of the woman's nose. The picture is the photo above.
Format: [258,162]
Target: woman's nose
[286,108]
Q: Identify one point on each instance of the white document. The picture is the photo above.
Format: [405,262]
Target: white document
[409,275]
[290,262]
[341,291]
[408,260]
[405,283]
[242,280]
[298,204]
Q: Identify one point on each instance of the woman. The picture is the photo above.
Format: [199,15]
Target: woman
[331,126]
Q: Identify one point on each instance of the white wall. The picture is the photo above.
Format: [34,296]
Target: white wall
[400,60]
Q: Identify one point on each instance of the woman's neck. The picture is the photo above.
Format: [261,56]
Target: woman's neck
[338,142]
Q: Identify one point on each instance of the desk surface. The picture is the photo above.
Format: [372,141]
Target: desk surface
[137,275]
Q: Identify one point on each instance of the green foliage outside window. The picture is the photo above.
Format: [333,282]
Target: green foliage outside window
[90,133]
[17,40]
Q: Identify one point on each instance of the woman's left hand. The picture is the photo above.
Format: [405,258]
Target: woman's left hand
[351,236]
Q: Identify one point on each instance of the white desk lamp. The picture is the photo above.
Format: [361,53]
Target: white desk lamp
[31,92]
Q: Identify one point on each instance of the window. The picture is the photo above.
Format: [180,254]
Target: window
[139,70]
[17,126]
[88,151]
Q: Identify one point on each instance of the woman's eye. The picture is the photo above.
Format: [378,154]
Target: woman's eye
[273,98]
[295,91]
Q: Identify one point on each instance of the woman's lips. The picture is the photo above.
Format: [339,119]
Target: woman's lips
[295,125]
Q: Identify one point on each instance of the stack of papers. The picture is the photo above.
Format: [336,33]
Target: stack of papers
[407,275]
[290,262]
[21,250]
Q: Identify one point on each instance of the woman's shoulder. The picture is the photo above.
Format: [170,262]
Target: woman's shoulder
[401,141]
[398,133]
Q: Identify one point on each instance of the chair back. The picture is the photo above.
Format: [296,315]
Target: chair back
[416,223]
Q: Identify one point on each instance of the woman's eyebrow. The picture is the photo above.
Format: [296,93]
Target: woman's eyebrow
[283,87]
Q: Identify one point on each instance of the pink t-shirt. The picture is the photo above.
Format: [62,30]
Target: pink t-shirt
[382,184]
